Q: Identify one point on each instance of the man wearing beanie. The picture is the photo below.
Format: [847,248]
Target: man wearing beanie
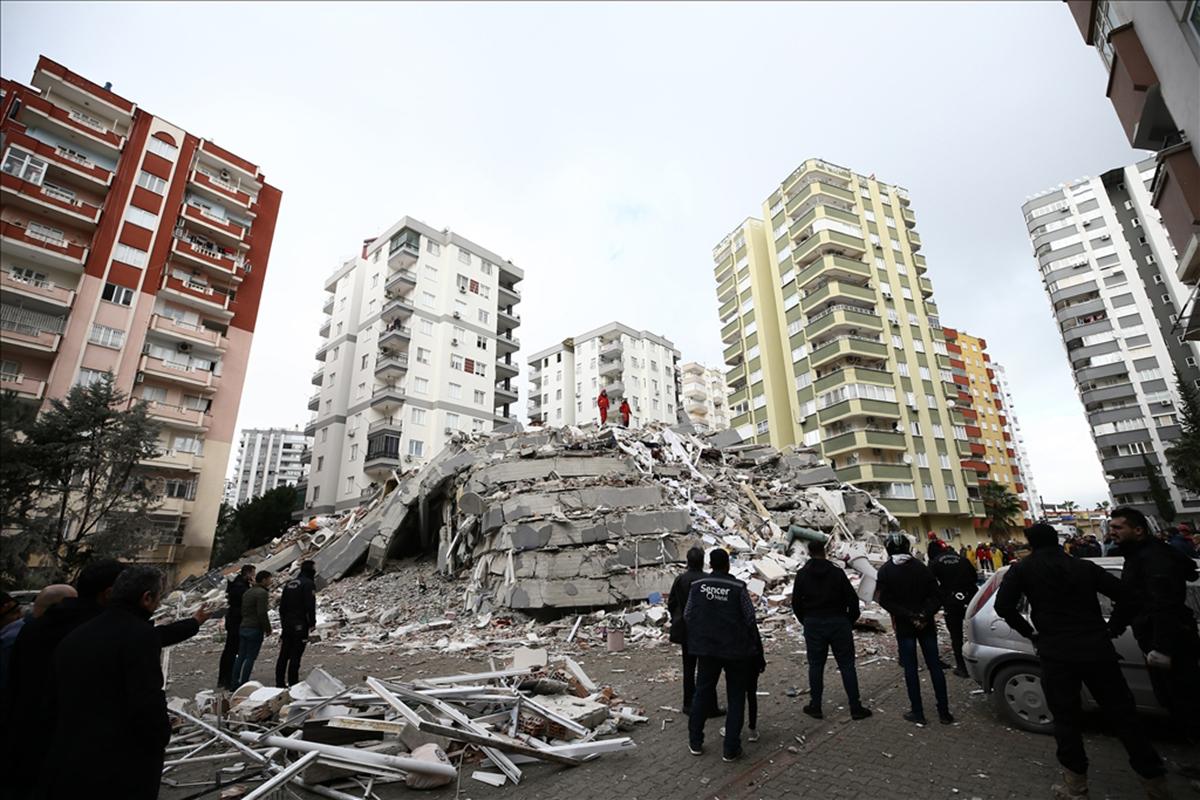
[1073,643]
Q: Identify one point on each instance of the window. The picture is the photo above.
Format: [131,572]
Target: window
[427,327]
[433,248]
[944,460]
[363,364]
[420,386]
[463,256]
[107,337]
[485,267]
[130,255]
[456,391]
[924,373]
[422,355]
[362,390]
[416,448]
[480,397]
[418,416]
[928,489]
[151,182]
[88,376]
[937,432]
[451,420]
[481,343]
[903,368]
[484,316]
[922,459]
[141,217]
[951,492]
[349,484]
[121,295]
[915,428]
[456,361]
[354,452]
[316,493]
[25,166]
[320,462]
[428,299]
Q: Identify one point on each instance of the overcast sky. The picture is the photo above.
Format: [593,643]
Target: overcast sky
[606,148]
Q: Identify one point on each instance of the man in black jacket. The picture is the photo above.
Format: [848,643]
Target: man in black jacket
[957,581]
[721,633]
[1075,649]
[1154,602]
[676,602]
[112,727]
[297,617]
[826,605]
[908,591]
[234,590]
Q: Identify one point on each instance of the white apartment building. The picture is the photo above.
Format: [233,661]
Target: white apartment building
[705,396]
[1110,273]
[1029,491]
[267,459]
[643,367]
[419,343]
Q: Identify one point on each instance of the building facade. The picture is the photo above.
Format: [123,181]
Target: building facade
[1110,274]
[989,424]
[267,459]
[1027,486]
[833,341]
[704,395]
[131,246]
[1151,51]
[640,366]
[419,343]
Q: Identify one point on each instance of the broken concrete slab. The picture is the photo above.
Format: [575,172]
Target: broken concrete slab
[529,658]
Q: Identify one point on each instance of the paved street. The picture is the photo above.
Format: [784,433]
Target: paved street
[882,757]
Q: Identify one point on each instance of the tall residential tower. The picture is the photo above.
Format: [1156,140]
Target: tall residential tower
[833,341]
[133,247]
[267,459]
[705,396]
[419,343]
[1110,274]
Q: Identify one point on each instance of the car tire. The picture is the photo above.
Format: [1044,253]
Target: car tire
[1019,699]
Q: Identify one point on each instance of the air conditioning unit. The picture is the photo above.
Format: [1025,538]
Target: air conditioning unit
[183,347]
[352,432]
[450,431]
[141,376]
[408,458]
[457,315]
[462,290]
[454,342]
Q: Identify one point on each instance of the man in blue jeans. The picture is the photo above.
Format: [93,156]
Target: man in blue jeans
[826,605]
[255,626]
[909,592]
[721,631]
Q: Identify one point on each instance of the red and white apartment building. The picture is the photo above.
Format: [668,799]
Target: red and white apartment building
[131,246]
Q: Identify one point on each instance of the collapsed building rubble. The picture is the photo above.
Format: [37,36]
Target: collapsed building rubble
[333,739]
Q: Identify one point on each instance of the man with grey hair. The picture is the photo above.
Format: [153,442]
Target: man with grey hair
[51,596]
[112,726]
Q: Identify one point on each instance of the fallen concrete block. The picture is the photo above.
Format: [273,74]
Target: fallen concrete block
[434,756]
[768,570]
[529,658]
[579,710]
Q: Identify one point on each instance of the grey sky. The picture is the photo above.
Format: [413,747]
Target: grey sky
[606,148]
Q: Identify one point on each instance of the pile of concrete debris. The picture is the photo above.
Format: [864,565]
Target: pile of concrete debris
[585,526]
[332,739]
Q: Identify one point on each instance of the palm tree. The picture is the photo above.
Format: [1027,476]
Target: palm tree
[1001,507]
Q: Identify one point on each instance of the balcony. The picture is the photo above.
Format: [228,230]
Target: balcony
[858,407]
[914,241]
[612,349]
[396,337]
[873,438]
[907,215]
[852,375]
[822,193]
[327,306]
[400,282]
[901,506]
[176,373]
[841,318]
[177,416]
[383,450]
[507,344]
[614,388]
[42,249]
[611,367]
[396,309]
[323,331]
[175,507]
[187,332]
[306,456]
[65,164]
[387,399]
[834,267]
[825,243]
[75,126]
[175,459]
[391,368]
[318,376]
[314,401]
[837,291]
[404,248]
[1107,393]
[27,335]
[693,406]
[875,473]
[44,291]
[926,287]
[22,386]
[57,204]
[219,189]
[506,320]
[508,295]
[505,396]
[224,263]
[386,425]
[505,370]
[197,295]
[219,228]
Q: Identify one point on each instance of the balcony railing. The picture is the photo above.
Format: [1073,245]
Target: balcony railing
[35,237]
[39,288]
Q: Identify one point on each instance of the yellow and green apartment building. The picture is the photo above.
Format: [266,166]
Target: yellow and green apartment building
[832,341]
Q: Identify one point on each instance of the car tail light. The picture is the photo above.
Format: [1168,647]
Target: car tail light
[985,594]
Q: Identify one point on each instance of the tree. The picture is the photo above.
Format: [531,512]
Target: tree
[1184,453]
[252,524]
[1158,491]
[76,489]
[1001,507]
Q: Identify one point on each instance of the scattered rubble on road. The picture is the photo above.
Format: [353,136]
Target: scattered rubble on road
[566,535]
[341,741]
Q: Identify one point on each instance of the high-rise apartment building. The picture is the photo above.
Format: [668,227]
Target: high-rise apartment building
[1110,274]
[640,366]
[705,396]
[133,247]
[989,426]
[419,343]
[833,341]
[1028,488]
[267,459]
[1151,52]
